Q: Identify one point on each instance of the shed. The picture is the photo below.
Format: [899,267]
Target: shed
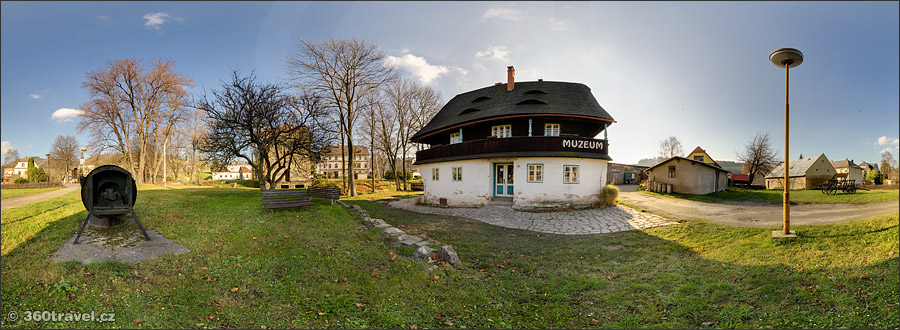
[804,173]
[688,176]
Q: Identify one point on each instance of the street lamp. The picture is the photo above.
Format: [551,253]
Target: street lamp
[786,58]
[47,171]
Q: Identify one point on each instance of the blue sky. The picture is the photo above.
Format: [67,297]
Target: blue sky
[696,70]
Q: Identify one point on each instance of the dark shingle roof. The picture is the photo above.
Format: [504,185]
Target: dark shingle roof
[528,98]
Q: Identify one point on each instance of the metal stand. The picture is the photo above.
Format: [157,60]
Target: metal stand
[136,220]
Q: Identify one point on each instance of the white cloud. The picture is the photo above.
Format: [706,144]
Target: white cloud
[156,20]
[495,52]
[34,96]
[559,25]
[889,149]
[884,140]
[66,114]
[503,13]
[104,17]
[4,146]
[420,68]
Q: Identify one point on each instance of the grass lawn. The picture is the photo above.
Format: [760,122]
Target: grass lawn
[317,267]
[10,193]
[797,196]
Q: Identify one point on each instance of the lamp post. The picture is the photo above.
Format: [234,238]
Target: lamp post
[81,164]
[786,58]
[47,171]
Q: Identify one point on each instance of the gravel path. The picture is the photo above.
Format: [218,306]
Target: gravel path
[33,198]
[756,214]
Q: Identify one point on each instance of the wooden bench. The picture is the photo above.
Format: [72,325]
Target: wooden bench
[281,198]
[417,186]
[331,193]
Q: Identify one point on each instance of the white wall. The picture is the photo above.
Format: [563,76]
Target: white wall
[552,192]
[476,188]
[473,190]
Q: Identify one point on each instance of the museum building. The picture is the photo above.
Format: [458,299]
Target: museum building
[530,143]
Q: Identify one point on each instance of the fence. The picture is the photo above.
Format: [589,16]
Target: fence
[880,186]
[31,185]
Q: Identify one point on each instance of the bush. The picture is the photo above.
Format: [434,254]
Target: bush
[608,195]
[389,175]
[20,180]
[322,183]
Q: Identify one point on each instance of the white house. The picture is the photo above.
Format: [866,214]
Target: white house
[532,143]
[234,171]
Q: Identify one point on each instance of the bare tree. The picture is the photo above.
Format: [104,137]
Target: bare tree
[64,153]
[670,147]
[758,156]
[414,105]
[127,106]
[263,124]
[887,163]
[11,157]
[344,71]
[194,131]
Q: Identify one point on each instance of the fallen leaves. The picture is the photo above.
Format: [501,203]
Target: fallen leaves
[235,289]
[436,277]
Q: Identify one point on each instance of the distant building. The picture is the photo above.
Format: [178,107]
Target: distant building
[689,176]
[804,173]
[625,174]
[867,167]
[847,170]
[332,164]
[700,155]
[234,171]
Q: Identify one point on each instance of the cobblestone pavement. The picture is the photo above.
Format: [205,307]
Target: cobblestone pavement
[589,221]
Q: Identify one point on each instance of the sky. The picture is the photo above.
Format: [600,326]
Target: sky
[695,70]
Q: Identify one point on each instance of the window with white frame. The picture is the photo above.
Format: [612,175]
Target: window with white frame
[570,174]
[551,129]
[535,172]
[435,174]
[501,131]
[454,138]
[457,174]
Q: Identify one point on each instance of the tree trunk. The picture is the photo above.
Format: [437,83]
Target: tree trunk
[350,179]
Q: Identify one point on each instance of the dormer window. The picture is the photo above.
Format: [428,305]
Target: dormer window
[531,101]
[551,129]
[501,131]
[469,110]
[455,138]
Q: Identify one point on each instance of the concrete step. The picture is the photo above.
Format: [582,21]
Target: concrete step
[501,201]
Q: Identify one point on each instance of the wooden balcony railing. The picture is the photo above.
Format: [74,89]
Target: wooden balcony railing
[519,146]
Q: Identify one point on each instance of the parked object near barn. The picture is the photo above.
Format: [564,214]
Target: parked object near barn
[108,193]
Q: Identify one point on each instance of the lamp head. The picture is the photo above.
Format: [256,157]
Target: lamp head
[786,57]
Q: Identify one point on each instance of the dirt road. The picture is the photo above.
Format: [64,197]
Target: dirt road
[755,214]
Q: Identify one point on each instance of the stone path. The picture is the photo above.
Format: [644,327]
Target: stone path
[589,221]
[28,199]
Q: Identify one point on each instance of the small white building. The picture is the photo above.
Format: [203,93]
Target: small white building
[234,171]
[531,143]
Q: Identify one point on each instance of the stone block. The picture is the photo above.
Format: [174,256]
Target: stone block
[421,243]
[447,253]
[392,231]
[410,240]
[423,252]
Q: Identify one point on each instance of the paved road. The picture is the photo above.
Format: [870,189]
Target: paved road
[755,214]
[28,199]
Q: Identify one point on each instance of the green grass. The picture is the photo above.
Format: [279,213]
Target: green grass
[317,267]
[797,196]
[10,193]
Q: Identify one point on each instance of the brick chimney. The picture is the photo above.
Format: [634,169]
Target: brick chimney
[510,78]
